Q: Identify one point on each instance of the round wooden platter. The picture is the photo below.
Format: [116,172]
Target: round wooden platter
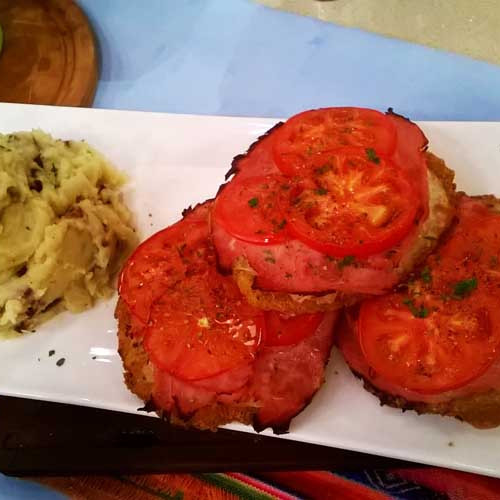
[49,53]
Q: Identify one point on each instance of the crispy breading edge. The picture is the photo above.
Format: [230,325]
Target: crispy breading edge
[479,410]
[285,302]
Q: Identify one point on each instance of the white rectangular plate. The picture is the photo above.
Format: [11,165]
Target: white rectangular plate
[177,160]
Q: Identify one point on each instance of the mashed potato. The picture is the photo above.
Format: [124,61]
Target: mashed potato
[64,230]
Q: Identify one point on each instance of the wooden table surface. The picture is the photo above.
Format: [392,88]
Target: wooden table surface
[39,438]
[49,54]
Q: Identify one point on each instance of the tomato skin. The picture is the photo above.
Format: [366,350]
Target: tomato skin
[251,209]
[283,331]
[317,131]
[354,203]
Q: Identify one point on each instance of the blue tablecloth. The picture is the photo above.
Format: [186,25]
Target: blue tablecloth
[233,57]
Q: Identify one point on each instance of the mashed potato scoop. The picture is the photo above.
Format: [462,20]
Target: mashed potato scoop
[64,229]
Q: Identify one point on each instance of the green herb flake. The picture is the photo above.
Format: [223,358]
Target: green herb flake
[282,224]
[269,257]
[464,288]
[348,260]
[321,191]
[323,169]
[418,312]
[253,202]
[372,156]
[425,275]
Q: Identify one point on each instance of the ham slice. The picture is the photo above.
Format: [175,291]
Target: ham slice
[280,383]
[292,266]
[286,378]
[187,397]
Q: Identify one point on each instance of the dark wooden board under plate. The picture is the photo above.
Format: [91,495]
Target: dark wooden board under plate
[40,438]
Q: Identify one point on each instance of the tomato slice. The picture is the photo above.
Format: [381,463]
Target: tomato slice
[251,209]
[284,330]
[203,327]
[162,261]
[443,351]
[355,202]
[314,132]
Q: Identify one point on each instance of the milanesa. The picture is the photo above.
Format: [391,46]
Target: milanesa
[197,353]
[290,275]
[433,346]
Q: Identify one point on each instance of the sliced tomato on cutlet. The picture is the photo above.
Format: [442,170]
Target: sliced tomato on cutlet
[203,327]
[163,260]
[317,131]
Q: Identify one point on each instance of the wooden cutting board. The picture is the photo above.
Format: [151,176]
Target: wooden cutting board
[49,54]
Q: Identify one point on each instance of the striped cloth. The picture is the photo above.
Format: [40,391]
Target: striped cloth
[401,484]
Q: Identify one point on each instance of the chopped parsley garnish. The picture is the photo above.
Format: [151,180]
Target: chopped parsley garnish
[464,288]
[372,156]
[322,170]
[278,226]
[425,275]
[418,312]
[269,257]
[348,260]
[321,191]
[253,202]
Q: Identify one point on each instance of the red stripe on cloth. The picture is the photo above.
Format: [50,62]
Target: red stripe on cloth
[261,485]
[457,485]
[324,486]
